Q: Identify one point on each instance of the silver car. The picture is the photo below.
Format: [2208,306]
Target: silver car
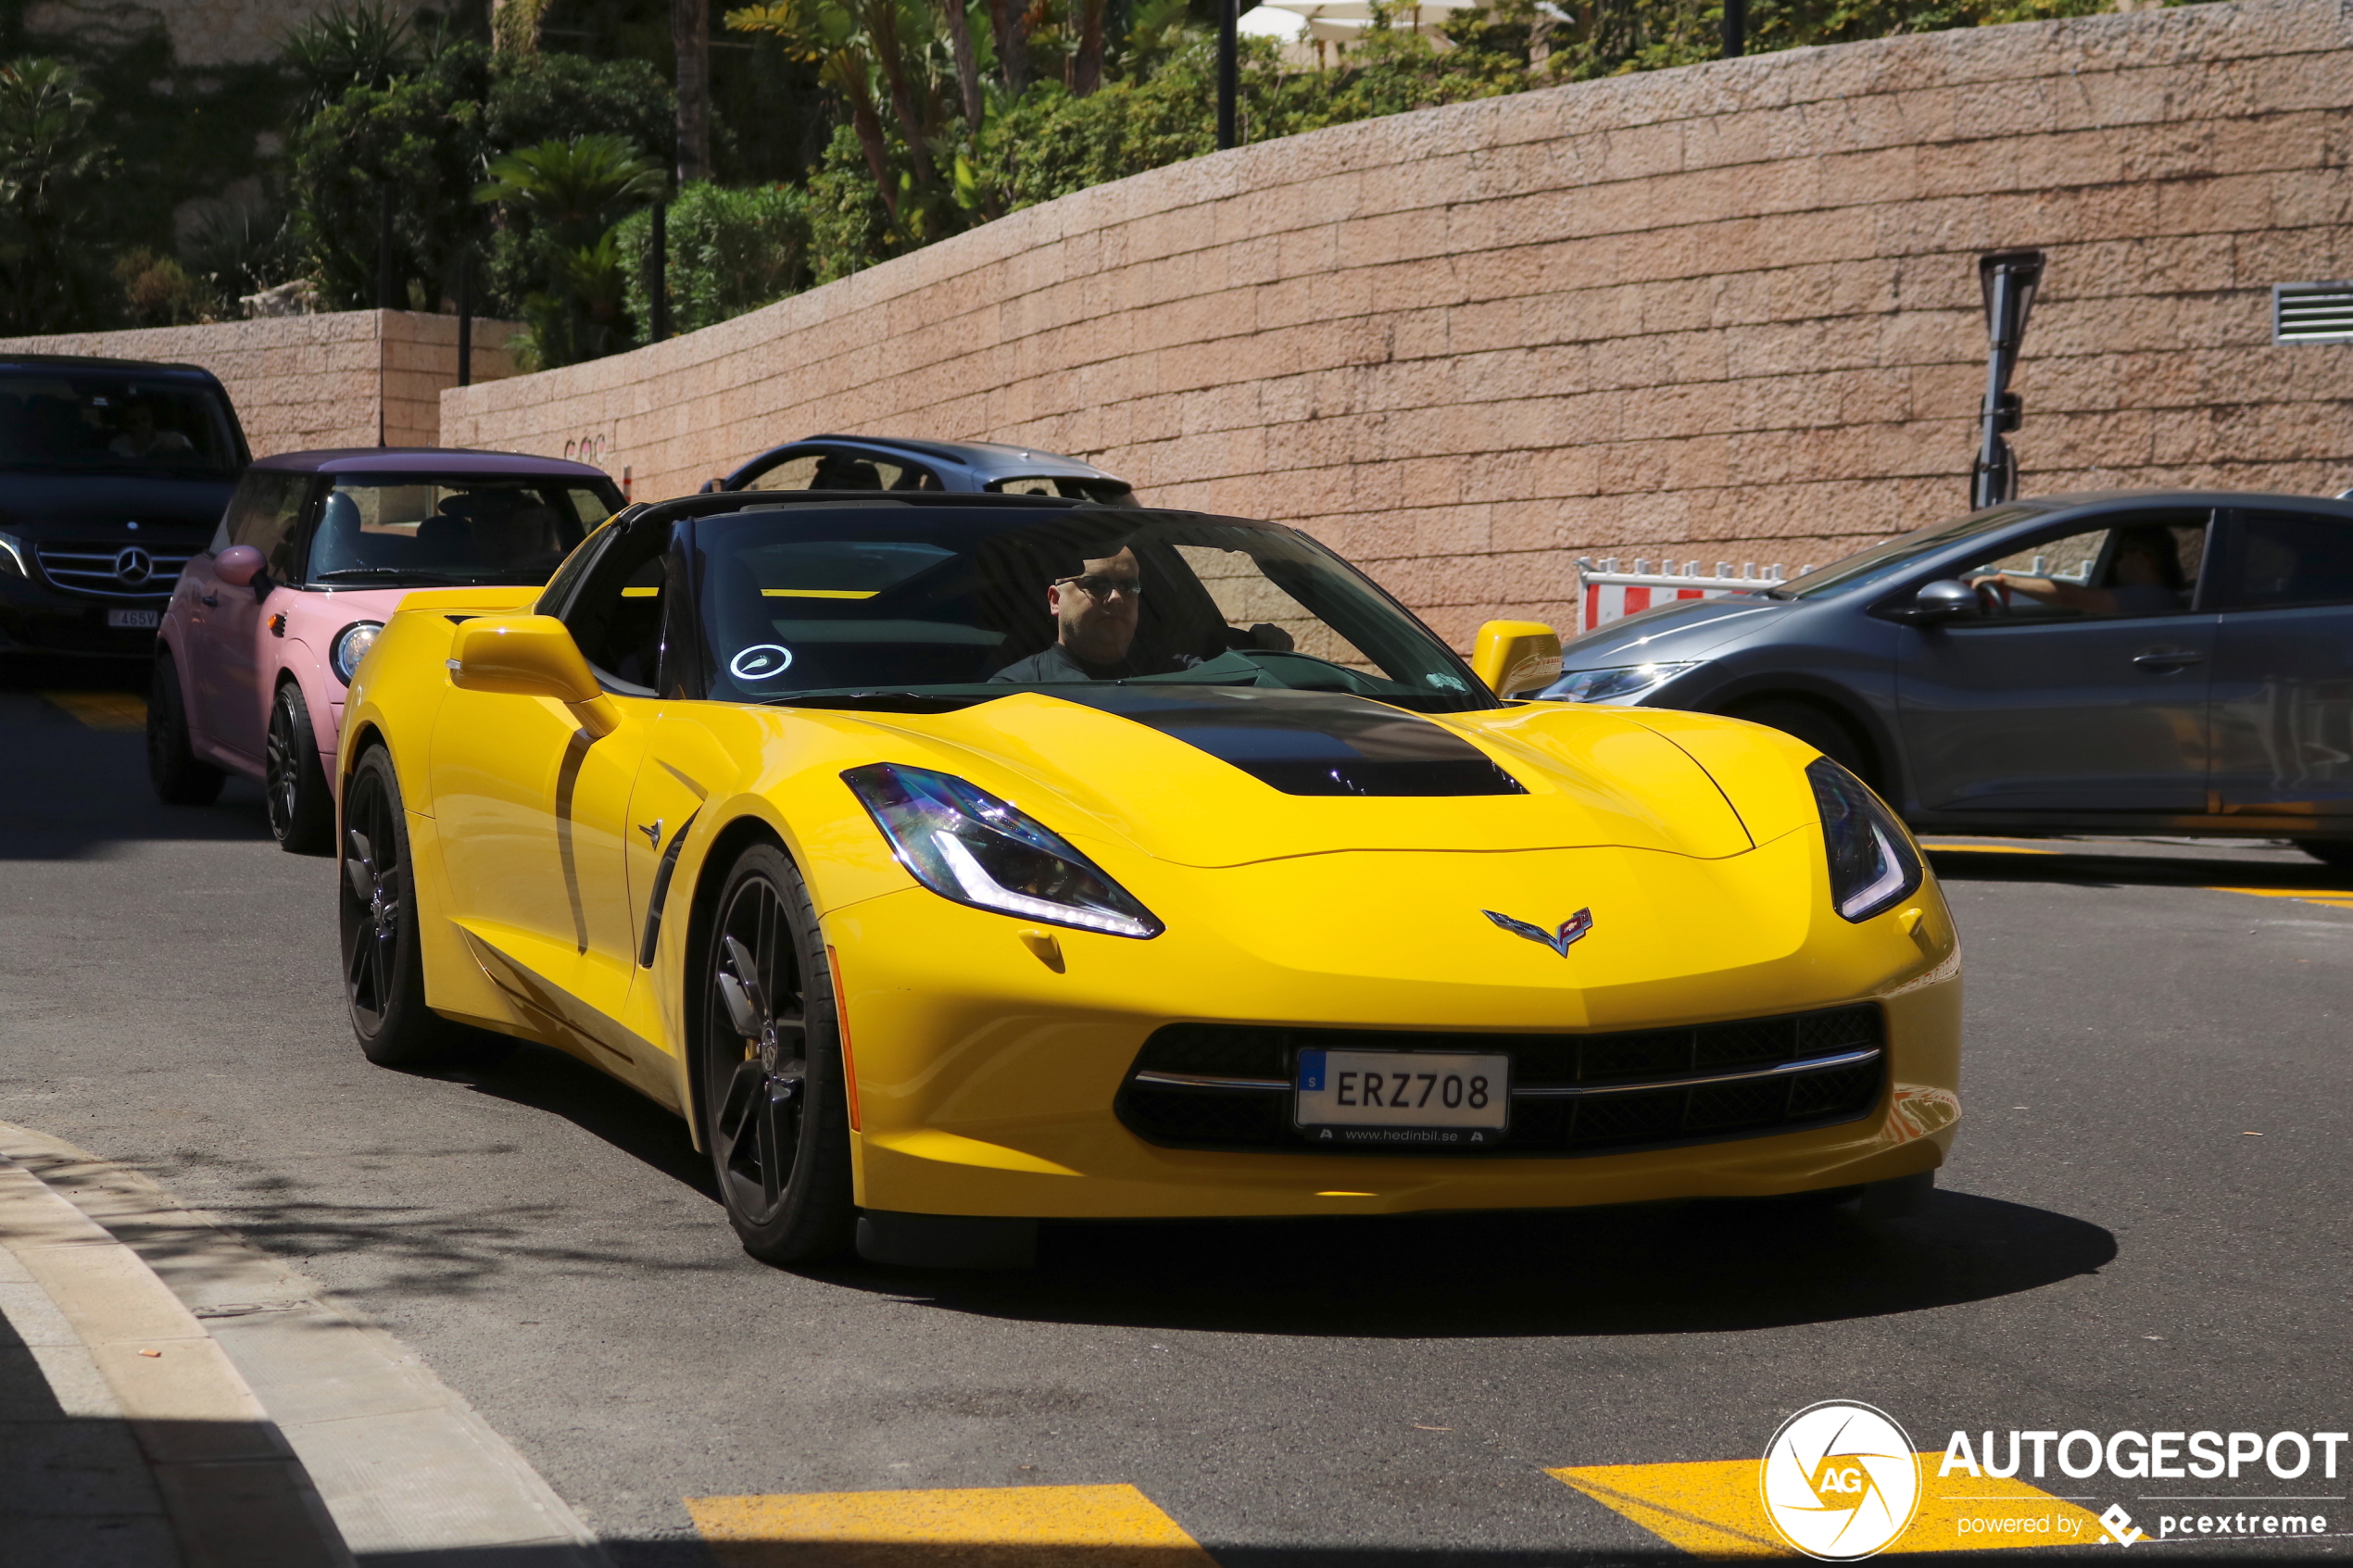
[2172,661]
[881,462]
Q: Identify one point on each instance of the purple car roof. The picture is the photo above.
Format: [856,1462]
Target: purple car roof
[428,459]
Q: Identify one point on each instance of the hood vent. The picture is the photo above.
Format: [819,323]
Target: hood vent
[1308,743]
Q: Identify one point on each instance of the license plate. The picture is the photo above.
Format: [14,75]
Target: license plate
[133,620]
[1403,1097]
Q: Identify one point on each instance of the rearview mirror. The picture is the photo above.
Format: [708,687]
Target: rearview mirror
[1517,656]
[530,656]
[1946,599]
[238,565]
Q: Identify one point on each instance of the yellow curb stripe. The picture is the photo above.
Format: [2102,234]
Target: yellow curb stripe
[2334,897]
[1935,848]
[1114,1527]
[1712,1509]
[117,712]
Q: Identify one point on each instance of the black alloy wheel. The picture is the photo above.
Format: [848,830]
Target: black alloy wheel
[774,1099]
[383,972]
[172,767]
[302,812]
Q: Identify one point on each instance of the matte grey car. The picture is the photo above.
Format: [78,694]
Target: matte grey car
[882,462]
[2170,662]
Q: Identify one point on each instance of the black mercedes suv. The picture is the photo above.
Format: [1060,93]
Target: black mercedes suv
[112,473]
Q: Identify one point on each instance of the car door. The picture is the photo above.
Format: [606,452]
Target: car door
[532,811]
[232,709]
[2084,686]
[2283,698]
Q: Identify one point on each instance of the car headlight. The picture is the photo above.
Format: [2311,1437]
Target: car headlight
[1612,686]
[351,646]
[964,843]
[1873,866]
[12,554]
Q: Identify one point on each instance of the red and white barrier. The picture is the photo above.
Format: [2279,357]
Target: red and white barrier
[1606,594]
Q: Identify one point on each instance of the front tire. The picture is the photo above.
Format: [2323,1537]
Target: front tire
[774,1109]
[383,971]
[172,768]
[1817,727]
[2337,853]
[302,812]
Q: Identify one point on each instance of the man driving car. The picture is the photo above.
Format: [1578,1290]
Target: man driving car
[1095,611]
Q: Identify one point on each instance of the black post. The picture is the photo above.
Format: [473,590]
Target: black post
[658,275]
[383,246]
[1229,72]
[1735,28]
[465,315]
[2009,280]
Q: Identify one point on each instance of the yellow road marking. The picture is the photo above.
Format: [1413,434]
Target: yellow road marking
[1712,1509]
[1987,848]
[976,1527]
[2334,897]
[117,712]
[819,592]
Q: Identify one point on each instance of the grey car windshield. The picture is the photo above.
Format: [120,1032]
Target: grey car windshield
[415,528]
[88,420]
[1893,556]
[808,603]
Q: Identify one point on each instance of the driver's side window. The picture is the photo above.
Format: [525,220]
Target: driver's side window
[2141,564]
[618,617]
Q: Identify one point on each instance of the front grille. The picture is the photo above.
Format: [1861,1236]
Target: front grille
[114,571]
[1221,1085]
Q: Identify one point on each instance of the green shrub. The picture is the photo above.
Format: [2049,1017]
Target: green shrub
[730,251]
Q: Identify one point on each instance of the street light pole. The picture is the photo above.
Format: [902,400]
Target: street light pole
[1229,72]
[2009,280]
[1735,28]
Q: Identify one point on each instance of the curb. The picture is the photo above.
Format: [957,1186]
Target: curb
[403,1466]
[230,1488]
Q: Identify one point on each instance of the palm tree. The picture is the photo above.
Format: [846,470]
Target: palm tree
[690,44]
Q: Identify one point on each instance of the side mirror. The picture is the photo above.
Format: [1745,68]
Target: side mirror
[1948,599]
[530,656]
[238,565]
[1517,656]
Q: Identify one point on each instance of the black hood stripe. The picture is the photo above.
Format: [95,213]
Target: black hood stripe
[1308,743]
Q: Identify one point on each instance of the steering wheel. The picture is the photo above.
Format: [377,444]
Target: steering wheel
[1993,595]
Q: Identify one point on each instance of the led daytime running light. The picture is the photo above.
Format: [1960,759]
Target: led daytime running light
[964,843]
[1872,864]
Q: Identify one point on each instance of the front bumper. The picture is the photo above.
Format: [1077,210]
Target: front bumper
[35,618]
[986,1075]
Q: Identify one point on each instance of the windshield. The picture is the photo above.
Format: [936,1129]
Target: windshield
[112,421]
[1890,557]
[395,529]
[813,603]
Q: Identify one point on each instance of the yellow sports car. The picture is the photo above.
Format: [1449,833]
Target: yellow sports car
[954,862]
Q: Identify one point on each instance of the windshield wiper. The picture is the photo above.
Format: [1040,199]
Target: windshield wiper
[887,700]
[400,572]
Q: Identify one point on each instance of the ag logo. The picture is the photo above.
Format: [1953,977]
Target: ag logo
[1840,1481]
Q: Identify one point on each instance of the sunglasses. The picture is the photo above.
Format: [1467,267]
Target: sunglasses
[1099,587]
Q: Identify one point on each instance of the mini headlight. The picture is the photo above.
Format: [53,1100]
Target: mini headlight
[964,843]
[351,646]
[1615,685]
[1873,867]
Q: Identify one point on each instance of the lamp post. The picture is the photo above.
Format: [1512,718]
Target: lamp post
[2009,280]
[1735,28]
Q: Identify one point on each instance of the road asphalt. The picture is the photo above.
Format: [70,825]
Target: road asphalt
[2144,1226]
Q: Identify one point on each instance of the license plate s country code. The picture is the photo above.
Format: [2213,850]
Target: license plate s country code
[1403,1098]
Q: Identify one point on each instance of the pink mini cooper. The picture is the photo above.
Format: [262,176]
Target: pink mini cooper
[268,623]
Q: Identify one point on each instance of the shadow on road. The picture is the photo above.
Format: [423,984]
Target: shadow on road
[2091,869]
[71,792]
[1696,1268]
